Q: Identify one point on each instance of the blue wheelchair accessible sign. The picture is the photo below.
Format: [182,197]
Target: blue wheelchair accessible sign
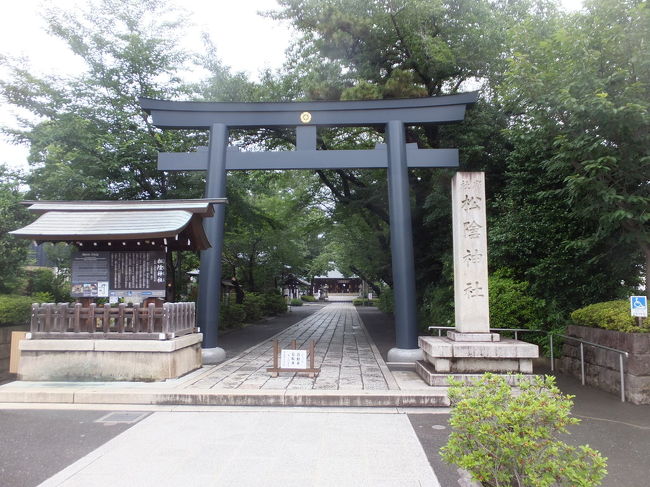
[639,306]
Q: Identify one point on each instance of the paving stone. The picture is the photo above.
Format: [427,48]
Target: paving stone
[342,351]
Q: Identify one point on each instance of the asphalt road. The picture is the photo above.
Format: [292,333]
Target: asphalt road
[36,444]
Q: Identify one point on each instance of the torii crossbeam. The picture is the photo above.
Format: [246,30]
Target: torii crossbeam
[306,117]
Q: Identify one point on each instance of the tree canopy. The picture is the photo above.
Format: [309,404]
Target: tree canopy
[561,131]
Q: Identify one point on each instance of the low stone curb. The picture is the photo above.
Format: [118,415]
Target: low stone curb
[437,397]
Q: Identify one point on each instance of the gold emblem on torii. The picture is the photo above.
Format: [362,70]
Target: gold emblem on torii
[305,117]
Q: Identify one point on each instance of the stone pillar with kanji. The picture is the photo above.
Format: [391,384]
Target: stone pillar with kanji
[471,301]
[471,347]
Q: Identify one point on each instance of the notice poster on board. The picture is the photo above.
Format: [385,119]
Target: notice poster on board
[140,274]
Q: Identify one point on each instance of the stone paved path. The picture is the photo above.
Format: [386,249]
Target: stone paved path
[347,357]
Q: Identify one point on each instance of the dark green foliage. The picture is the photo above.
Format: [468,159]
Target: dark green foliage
[610,315]
[232,315]
[17,310]
[308,298]
[506,439]
[254,307]
[437,307]
[295,302]
[364,302]
[274,304]
[385,302]
[46,281]
[13,251]
[511,305]
[578,86]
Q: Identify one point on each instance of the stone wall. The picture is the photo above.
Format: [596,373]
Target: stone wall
[5,347]
[602,366]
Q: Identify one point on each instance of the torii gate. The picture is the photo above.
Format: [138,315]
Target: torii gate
[306,117]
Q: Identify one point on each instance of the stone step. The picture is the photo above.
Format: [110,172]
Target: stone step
[427,372]
[433,397]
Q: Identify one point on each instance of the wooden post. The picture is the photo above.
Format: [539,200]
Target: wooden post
[136,318]
[120,317]
[35,322]
[150,317]
[165,318]
[62,317]
[49,308]
[76,323]
[106,318]
[92,321]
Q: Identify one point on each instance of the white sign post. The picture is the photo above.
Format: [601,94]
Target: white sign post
[639,306]
[293,359]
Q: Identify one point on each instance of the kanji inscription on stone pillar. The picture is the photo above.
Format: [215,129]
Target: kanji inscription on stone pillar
[470,252]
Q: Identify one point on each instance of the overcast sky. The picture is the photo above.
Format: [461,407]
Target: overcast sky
[245,41]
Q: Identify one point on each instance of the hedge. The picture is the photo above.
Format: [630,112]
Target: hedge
[17,310]
[609,315]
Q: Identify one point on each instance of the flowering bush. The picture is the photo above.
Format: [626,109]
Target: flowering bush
[510,440]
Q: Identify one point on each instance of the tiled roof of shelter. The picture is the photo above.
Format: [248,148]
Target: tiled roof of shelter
[176,224]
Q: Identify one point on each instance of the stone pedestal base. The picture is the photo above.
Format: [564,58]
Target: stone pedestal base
[213,356]
[109,360]
[471,357]
[427,373]
[404,355]
[473,337]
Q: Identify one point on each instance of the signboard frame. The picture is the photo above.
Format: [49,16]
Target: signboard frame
[119,274]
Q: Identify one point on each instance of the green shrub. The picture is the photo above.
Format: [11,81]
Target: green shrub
[511,305]
[232,315]
[364,302]
[437,306]
[254,306]
[610,315]
[17,310]
[295,302]
[511,440]
[274,304]
[385,300]
[308,298]
[45,281]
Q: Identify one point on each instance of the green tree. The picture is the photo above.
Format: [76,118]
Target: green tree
[580,86]
[360,49]
[88,136]
[13,251]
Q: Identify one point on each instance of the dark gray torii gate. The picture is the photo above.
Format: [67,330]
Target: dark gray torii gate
[396,156]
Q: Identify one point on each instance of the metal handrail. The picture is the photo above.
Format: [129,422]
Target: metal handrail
[515,330]
[621,353]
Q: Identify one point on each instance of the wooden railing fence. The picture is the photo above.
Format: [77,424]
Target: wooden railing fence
[66,320]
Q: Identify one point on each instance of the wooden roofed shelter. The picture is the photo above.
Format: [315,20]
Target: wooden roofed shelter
[122,251]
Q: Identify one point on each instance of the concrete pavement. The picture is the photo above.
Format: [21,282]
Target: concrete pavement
[317,442]
[287,448]
[352,373]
